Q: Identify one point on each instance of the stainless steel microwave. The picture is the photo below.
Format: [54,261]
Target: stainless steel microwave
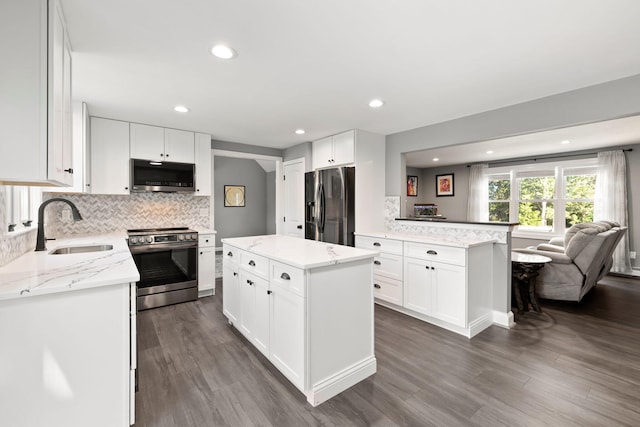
[167,177]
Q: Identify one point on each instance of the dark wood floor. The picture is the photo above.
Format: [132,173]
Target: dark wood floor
[571,365]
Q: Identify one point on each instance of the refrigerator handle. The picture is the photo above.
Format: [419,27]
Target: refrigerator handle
[321,207]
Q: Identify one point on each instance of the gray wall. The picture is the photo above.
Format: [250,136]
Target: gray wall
[600,102]
[245,148]
[270,217]
[249,220]
[300,151]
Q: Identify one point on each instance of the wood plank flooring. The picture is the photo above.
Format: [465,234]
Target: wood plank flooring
[571,365]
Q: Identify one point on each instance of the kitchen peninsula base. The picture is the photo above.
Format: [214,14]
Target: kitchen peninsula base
[307,306]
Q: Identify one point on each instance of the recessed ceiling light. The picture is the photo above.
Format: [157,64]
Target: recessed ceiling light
[223,52]
[435,159]
[181,109]
[566,141]
[376,103]
[300,131]
[490,152]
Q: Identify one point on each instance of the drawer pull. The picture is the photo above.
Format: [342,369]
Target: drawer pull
[230,253]
[252,263]
[376,262]
[269,292]
[433,268]
[432,252]
[376,244]
[285,276]
[235,274]
[375,285]
[249,282]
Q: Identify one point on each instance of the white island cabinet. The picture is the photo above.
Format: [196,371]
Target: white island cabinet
[68,334]
[306,305]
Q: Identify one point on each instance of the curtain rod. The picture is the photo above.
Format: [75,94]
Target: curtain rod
[552,156]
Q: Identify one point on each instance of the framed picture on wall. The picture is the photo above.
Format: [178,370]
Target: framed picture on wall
[412,185]
[234,196]
[444,185]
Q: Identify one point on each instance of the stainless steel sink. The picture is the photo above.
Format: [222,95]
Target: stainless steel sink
[81,249]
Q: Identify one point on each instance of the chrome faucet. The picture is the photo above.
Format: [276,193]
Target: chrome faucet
[41,241]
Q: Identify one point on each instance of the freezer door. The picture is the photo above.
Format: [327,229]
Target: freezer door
[333,207]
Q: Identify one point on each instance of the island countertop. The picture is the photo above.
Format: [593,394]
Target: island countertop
[39,273]
[297,252]
[434,240]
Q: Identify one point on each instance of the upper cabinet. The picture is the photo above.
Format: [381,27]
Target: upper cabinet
[157,143]
[109,156]
[203,164]
[334,150]
[35,113]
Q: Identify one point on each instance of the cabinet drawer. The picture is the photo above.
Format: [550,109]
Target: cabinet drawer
[287,277]
[389,246]
[438,253]
[257,264]
[205,240]
[230,254]
[387,289]
[388,265]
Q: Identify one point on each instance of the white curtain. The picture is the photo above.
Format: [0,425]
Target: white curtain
[478,207]
[610,202]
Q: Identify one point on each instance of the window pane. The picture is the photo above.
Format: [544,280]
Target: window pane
[580,186]
[577,212]
[537,188]
[499,189]
[536,214]
[499,211]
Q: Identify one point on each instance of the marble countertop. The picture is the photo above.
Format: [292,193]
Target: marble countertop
[300,253]
[39,273]
[450,221]
[435,240]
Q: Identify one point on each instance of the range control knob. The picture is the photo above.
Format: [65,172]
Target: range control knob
[133,240]
[149,239]
[181,237]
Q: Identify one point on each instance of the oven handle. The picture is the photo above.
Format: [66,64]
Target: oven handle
[161,247]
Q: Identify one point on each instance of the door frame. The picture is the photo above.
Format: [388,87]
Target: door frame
[304,169]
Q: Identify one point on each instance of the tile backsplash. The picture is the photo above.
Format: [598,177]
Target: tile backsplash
[105,214]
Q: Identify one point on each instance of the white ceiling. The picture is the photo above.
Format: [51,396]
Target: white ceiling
[316,64]
[592,136]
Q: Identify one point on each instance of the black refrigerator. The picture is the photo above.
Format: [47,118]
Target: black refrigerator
[330,205]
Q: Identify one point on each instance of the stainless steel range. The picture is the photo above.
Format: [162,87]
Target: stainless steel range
[168,264]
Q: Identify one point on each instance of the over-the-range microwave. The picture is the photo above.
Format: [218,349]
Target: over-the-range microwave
[168,177]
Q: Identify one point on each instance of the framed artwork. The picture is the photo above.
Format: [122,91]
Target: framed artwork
[234,196]
[412,185]
[444,185]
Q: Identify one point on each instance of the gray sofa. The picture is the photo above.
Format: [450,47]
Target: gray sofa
[579,260]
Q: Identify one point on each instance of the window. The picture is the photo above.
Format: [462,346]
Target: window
[21,205]
[545,198]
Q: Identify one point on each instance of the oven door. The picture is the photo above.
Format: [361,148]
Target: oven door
[168,274]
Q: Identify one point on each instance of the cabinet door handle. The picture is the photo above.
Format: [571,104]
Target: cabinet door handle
[376,262]
[433,268]
[70,170]
[161,154]
[299,227]
[249,282]
[235,274]
[285,276]
[269,292]
[376,244]
[375,285]
[230,254]
[206,240]
[432,252]
[166,155]
[252,264]
[201,253]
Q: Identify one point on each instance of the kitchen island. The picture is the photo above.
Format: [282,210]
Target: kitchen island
[68,329]
[306,305]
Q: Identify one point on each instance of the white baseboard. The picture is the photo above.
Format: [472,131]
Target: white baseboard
[341,381]
[504,320]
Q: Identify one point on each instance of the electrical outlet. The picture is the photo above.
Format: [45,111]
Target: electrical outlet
[204,212]
[632,254]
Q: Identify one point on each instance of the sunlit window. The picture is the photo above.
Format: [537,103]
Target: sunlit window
[21,206]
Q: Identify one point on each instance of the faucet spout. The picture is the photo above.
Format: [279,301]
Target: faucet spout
[40,241]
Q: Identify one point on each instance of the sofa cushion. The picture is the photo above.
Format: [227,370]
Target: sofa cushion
[574,229]
[580,240]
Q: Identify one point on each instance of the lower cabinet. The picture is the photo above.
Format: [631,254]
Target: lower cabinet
[206,264]
[230,286]
[254,310]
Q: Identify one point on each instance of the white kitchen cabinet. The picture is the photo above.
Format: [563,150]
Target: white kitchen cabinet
[158,144]
[335,150]
[70,358]
[231,284]
[37,117]
[418,286]
[203,164]
[110,167]
[206,264]
[387,268]
[321,343]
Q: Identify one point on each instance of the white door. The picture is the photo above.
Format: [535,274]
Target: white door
[294,198]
